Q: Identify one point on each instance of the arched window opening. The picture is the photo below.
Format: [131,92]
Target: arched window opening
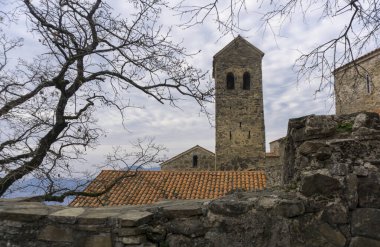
[246,81]
[230,81]
[195,161]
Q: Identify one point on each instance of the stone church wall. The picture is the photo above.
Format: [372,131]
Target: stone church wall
[331,198]
[205,161]
[351,92]
[240,131]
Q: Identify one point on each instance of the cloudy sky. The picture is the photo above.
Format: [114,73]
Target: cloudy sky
[284,97]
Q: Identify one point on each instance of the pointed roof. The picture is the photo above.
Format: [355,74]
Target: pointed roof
[234,41]
[147,187]
[359,60]
[186,152]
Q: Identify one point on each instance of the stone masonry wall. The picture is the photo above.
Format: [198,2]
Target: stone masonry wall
[331,198]
[206,161]
[240,132]
[351,89]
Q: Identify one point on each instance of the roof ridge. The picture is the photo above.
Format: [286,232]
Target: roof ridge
[184,152]
[363,57]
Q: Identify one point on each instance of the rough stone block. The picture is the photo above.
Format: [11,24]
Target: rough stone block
[99,241]
[56,234]
[335,213]
[133,240]
[68,215]
[364,242]
[135,218]
[183,210]
[351,190]
[366,223]
[369,191]
[333,236]
[319,184]
[290,208]
[230,207]
[188,227]
[130,231]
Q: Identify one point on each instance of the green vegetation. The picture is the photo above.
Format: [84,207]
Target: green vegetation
[345,127]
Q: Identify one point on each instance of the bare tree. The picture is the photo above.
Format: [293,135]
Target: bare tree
[362,28]
[91,58]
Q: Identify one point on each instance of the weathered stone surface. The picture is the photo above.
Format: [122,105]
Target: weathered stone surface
[369,191]
[130,231]
[333,236]
[308,148]
[319,184]
[361,120]
[290,208]
[156,233]
[364,242]
[239,118]
[187,227]
[335,213]
[320,126]
[183,210]
[339,169]
[360,171]
[179,240]
[133,240]
[135,217]
[68,215]
[351,191]
[99,241]
[56,234]
[230,207]
[366,223]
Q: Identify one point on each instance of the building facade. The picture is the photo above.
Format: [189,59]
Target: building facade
[196,158]
[240,131]
[357,85]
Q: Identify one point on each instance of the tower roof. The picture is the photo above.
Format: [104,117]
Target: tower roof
[232,45]
[235,41]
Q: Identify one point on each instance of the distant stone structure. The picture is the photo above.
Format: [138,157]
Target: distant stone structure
[195,158]
[357,85]
[239,113]
[240,131]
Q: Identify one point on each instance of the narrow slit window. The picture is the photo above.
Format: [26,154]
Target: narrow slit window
[240,124]
[249,134]
[368,84]
[195,161]
[246,81]
[230,135]
[230,81]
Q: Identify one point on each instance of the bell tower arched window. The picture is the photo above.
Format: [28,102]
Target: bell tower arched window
[246,81]
[230,81]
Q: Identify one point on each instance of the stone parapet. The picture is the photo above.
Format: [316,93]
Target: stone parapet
[330,198]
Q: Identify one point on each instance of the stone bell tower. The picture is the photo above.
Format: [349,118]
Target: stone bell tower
[240,130]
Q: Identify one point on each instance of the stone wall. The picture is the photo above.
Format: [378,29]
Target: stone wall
[184,161]
[351,93]
[239,113]
[331,198]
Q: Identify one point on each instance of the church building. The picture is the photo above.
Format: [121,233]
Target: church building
[239,110]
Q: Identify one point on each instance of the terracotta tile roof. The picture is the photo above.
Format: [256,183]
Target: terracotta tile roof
[146,187]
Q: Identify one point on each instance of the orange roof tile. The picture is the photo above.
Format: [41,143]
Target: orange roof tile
[146,187]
